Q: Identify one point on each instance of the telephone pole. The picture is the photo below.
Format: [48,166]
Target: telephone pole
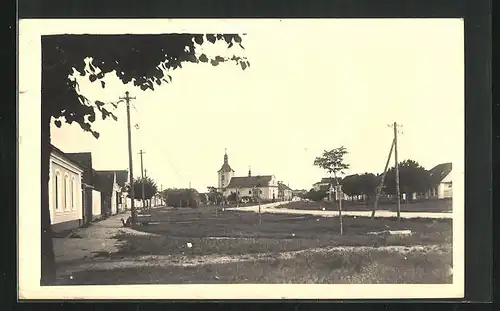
[127,99]
[396,167]
[142,179]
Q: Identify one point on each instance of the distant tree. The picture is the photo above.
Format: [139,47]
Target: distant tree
[150,188]
[232,197]
[214,195]
[143,60]
[367,184]
[412,178]
[182,198]
[316,196]
[350,185]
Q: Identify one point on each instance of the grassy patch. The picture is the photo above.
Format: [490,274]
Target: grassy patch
[341,267]
[241,234]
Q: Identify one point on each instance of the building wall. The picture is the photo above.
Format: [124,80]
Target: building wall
[65,195]
[267,192]
[445,190]
[227,178]
[96,204]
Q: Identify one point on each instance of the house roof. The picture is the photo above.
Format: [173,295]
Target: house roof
[250,181]
[327,180]
[103,180]
[282,187]
[61,153]
[440,171]
[84,159]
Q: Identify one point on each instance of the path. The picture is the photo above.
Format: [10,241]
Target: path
[271,208]
[84,243]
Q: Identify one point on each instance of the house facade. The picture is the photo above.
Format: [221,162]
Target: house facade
[441,177]
[324,184]
[65,192]
[91,198]
[285,193]
[111,184]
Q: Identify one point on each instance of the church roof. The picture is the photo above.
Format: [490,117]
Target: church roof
[250,181]
[225,168]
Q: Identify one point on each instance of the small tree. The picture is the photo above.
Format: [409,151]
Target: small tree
[315,196]
[333,162]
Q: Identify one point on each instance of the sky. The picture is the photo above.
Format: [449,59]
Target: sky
[313,85]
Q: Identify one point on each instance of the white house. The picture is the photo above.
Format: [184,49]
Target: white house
[65,192]
[441,177]
[111,185]
[285,193]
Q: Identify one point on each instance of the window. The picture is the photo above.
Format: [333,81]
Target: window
[57,194]
[66,196]
[249,191]
[73,194]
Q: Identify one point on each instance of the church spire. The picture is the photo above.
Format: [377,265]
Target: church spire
[225,156]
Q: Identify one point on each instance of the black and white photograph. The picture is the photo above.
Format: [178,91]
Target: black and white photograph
[255,159]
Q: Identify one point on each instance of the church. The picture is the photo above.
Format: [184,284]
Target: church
[263,186]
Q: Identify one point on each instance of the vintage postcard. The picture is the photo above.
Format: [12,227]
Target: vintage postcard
[241,159]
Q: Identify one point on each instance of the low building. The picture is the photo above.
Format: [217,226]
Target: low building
[65,192]
[441,179]
[91,198]
[324,184]
[112,184]
[285,193]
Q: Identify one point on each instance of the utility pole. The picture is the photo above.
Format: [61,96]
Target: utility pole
[379,189]
[142,179]
[127,99]
[396,166]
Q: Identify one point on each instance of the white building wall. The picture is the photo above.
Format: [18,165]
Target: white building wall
[65,195]
[227,178]
[96,203]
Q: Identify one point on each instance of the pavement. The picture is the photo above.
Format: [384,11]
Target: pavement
[98,238]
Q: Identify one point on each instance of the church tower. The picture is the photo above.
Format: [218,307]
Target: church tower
[225,173]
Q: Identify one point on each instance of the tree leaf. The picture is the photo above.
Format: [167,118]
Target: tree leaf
[243,65]
[211,38]
[92,78]
[58,123]
[203,58]
[95,134]
[103,84]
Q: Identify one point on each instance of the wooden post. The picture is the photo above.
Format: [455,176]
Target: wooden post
[379,190]
[133,212]
[397,170]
